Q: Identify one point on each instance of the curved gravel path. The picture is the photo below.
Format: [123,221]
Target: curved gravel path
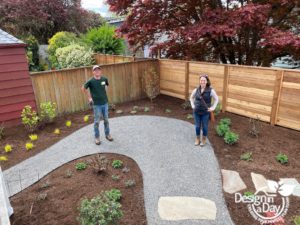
[162,147]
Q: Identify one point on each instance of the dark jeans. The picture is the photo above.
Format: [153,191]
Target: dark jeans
[98,110]
[201,121]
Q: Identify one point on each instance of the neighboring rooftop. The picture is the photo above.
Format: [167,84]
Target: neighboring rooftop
[6,38]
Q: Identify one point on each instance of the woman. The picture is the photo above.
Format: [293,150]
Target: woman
[201,104]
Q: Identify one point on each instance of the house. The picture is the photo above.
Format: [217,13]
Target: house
[16,89]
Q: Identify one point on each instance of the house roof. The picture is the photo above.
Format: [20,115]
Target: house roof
[7,39]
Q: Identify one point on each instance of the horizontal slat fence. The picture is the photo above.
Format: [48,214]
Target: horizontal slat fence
[63,86]
[102,59]
[272,95]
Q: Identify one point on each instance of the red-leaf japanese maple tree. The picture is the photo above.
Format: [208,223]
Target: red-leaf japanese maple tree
[253,32]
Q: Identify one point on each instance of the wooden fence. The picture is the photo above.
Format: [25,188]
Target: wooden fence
[111,59]
[63,86]
[272,95]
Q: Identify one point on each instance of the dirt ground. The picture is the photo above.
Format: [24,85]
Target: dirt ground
[271,141]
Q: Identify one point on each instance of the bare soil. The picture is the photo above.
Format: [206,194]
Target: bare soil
[271,141]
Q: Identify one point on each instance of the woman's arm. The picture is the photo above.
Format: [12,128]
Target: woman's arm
[192,98]
[216,100]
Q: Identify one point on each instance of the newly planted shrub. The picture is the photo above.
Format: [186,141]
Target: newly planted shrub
[30,118]
[168,111]
[81,166]
[41,197]
[125,170]
[99,163]
[99,210]
[56,131]
[146,109]
[45,184]
[1,131]
[135,108]
[282,158]
[217,109]
[7,148]
[225,121]
[115,177]
[68,123]
[221,129]
[117,164]
[33,137]
[86,118]
[186,105]
[114,194]
[129,183]
[231,138]
[48,112]
[68,174]
[29,146]
[247,156]
[189,116]
[297,220]
[3,158]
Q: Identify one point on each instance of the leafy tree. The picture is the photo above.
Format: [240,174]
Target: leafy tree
[252,32]
[32,51]
[44,18]
[104,40]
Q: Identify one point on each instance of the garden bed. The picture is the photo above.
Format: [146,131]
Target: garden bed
[271,141]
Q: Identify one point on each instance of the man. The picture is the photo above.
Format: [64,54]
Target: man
[97,97]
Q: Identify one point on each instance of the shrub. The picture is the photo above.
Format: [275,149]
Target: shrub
[221,129]
[217,109]
[168,111]
[81,166]
[33,137]
[29,146]
[297,220]
[129,183]
[150,83]
[117,164]
[254,127]
[99,163]
[7,148]
[231,138]
[56,131]
[146,109]
[32,52]
[226,121]
[247,156]
[68,123]
[186,105]
[115,177]
[41,197]
[48,111]
[104,40]
[86,118]
[125,170]
[74,55]
[282,158]
[114,194]
[30,118]
[59,40]
[3,158]
[68,174]
[1,131]
[100,210]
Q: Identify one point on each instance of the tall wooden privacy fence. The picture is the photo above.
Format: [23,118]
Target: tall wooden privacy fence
[272,95]
[63,86]
[110,59]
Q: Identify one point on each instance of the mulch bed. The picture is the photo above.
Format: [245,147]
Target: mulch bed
[265,147]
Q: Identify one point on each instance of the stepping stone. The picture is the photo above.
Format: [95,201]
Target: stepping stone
[232,182]
[292,181]
[184,208]
[260,182]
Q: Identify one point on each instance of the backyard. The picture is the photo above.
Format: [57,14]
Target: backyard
[269,142]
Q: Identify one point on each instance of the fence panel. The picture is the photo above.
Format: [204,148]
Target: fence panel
[102,59]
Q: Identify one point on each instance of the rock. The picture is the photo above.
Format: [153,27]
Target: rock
[261,183]
[232,182]
[292,181]
[119,111]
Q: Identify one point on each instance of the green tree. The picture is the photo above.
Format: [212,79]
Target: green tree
[104,40]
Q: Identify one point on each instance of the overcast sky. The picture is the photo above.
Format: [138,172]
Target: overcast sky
[96,5]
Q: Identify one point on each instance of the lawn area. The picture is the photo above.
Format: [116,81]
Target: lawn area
[271,141]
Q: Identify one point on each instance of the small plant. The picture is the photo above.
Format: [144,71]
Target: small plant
[29,146]
[186,105]
[7,148]
[46,184]
[81,166]
[68,174]
[86,118]
[133,112]
[119,111]
[297,220]
[41,197]
[282,158]
[146,109]
[1,131]
[255,127]
[129,183]
[115,177]
[249,195]
[168,111]
[217,109]
[221,129]
[117,164]
[100,210]
[247,156]
[135,108]
[225,121]
[30,118]
[231,138]
[33,137]
[3,158]
[125,170]
[69,123]
[56,131]
[189,116]
[114,194]
[48,112]
[112,107]
[99,163]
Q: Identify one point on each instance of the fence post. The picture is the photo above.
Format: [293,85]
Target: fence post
[225,88]
[276,96]
[187,82]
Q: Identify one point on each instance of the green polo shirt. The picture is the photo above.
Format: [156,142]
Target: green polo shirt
[97,90]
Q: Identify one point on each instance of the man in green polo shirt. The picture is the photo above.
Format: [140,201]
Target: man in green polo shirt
[97,97]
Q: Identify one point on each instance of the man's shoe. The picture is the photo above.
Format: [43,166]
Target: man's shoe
[97,141]
[108,137]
